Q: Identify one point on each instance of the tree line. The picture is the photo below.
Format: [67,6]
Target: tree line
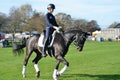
[25,18]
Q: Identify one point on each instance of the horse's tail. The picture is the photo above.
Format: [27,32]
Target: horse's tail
[18,48]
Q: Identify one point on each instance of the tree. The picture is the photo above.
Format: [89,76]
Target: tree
[14,19]
[80,23]
[64,20]
[3,18]
[19,17]
[26,12]
[92,26]
[25,19]
[36,22]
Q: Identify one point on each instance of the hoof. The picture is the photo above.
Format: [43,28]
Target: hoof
[38,74]
[59,74]
[55,79]
[24,76]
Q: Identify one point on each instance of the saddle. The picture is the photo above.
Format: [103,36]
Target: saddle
[50,41]
[42,39]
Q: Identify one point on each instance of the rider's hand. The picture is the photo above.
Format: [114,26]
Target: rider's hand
[57,28]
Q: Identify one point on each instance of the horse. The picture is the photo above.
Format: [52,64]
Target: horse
[59,49]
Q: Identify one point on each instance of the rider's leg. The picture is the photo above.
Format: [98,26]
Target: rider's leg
[44,48]
[46,42]
[49,31]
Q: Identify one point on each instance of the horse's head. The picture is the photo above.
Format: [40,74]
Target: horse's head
[80,39]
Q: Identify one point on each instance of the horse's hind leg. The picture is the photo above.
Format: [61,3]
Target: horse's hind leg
[28,54]
[35,61]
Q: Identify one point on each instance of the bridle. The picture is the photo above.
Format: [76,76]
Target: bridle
[79,39]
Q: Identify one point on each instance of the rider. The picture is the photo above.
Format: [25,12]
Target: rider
[51,25]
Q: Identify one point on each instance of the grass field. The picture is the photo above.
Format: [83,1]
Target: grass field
[98,61]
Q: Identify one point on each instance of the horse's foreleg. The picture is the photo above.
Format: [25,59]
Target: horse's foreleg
[56,73]
[62,70]
[55,76]
[65,67]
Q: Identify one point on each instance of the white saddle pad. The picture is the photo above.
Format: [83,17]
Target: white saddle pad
[40,41]
[41,38]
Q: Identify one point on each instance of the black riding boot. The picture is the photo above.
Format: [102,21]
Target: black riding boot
[44,49]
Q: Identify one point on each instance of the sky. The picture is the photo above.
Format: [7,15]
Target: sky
[105,12]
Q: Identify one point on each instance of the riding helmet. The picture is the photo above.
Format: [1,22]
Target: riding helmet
[51,6]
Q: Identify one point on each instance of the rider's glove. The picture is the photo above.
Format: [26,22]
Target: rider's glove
[57,28]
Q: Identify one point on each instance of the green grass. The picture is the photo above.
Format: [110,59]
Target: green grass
[98,61]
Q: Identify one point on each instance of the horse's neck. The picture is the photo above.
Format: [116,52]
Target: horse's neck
[68,38]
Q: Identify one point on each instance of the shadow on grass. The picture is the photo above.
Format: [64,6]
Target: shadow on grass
[94,77]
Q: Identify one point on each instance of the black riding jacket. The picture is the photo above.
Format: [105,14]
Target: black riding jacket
[50,20]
